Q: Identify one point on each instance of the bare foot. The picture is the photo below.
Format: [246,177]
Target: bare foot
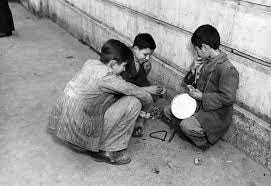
[139,128]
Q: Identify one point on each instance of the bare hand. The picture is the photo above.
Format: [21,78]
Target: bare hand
[196,64]
[154,90]
[195,93]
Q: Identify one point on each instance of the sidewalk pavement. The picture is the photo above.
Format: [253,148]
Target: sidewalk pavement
[35,64]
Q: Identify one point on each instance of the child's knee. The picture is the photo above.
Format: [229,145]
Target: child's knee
[188,125]
[134,102]
[191,126]
[184,125]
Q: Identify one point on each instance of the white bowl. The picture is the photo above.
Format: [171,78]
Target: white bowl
[183,106]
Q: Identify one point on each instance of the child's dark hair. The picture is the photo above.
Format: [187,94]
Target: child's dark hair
[206,34]
[116,50]
[144,40]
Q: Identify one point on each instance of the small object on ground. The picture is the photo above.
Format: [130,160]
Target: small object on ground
[197,161]
[158,132]
[35,74]
[168,164]
[155,170]
[136,142]
[174,131]
[229,161]
[69,57]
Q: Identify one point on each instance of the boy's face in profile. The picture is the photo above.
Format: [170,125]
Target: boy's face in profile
[118,68]
[142,55]
[203,52]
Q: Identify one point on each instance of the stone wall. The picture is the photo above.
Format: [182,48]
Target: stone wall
[245,28]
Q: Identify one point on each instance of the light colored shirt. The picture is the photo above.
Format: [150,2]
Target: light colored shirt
[96,78]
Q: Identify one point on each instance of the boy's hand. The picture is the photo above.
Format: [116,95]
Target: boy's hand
[194,93]
[196,64]
[154,90]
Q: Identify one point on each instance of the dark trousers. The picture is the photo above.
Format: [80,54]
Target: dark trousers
[6,20]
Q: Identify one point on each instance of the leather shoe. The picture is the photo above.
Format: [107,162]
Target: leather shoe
[114,158]
[5,34]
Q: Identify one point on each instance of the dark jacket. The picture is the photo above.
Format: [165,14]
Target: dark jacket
[219,82]
[6,20]
[138,78]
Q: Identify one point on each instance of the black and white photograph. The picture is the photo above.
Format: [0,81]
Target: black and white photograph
[135,92]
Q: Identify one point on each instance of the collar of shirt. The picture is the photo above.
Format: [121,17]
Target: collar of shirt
[220,58]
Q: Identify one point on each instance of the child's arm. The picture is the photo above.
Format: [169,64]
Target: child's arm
[194,93]
[114,84]
[155,90]
[191,76]
[196,65]
[228,84]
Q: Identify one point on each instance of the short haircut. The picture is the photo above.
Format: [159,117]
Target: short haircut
[116,50]
[144,40]
[206,34]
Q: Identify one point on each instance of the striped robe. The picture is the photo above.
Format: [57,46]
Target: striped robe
[78,116]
